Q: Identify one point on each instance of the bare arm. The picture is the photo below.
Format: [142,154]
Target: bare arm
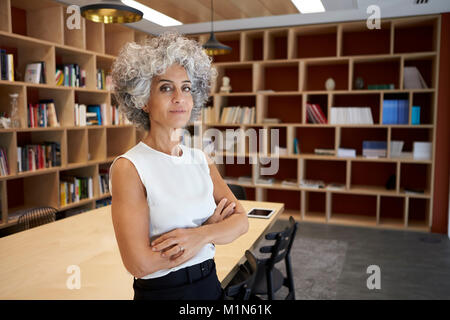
[130,216]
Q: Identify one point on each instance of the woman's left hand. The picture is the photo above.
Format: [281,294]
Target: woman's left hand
[180,242]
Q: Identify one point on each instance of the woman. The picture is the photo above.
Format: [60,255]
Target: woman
[170,204]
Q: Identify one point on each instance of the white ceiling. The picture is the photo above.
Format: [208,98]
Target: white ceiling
[336,11]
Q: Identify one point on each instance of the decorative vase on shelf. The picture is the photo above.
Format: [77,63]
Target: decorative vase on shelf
[359,83]
[330,84]
[15,117]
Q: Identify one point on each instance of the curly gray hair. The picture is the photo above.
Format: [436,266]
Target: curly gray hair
[137,64]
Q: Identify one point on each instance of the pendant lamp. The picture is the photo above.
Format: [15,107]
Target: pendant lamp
[212,46]
[111,11]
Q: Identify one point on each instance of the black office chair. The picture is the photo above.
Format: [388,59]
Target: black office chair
[35,217]
[238,191]
[240,287]
[268,278]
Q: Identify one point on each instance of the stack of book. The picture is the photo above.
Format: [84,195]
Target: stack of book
[290,183]
[208,115]
[353,115]
[92,114]
[103,181]
[103,202]
[346,153]
[4,166]
[395,111]
[315,114]
[70,75]
[74,189]
[268,181]
[35,72]
[233,115]
[389,86]
[33,157]
[103,81]
[374,149]
[315,184]
[324,152]
[271,120]
[117,117]
[42,114]
[6,65]
[335,186]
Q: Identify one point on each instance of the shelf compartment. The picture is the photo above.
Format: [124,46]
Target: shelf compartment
[276,45]
[29,51]
[319,99]
[233,167]
[233,40]
[366,174]
[409,136]
[5,101]
[33,191]
[392,212]
[317,73]
[241,77]
[359,100]
[425,100]
[426,66]
[41,137]
[353,137]
[415,176]
[310,138]
[254,46]
[8,143]
[418,214]
[314,42]
[277,168]
[352,209]
[271,79]
[415,35]
[327,171]
[357,39]
[287,108]
[95,36]
[315,206]
[290,198]
[116,36]
[97,144]
[384,71]
[119,140]
[63,101]
[85,172]
[103,169]
[28,18]
[86,61]
[77,146]
[74,37]
[277,136]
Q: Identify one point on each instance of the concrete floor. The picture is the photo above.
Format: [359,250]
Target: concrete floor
[413,265]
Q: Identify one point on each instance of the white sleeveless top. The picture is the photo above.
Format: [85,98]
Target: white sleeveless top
[179,193]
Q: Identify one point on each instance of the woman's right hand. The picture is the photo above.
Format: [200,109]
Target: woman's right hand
[221,212]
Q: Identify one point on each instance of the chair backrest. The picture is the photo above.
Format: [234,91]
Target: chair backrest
[282,246]
[34,217]
[238,191]
[241,286]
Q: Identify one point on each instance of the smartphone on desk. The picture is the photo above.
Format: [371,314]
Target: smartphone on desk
[260,213]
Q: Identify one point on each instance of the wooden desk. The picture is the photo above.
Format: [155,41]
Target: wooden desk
[33,263]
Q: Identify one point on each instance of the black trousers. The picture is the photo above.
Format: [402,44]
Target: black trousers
[197,282]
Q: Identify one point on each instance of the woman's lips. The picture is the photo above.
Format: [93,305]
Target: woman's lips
[178,111]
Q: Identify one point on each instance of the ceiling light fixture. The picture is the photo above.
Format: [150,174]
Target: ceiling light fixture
[111,11]
[309,6]
[153,15]
[212,46]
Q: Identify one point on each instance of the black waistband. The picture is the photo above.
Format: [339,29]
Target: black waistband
[178,278]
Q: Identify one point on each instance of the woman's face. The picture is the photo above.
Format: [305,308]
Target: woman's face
[171,102]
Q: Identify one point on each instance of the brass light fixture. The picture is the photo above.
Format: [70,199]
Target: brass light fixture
[111,11]
[212,46]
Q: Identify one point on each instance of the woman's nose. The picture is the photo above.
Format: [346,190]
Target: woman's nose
[177,96]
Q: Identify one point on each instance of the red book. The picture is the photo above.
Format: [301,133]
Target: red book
[313,118]
[321,114]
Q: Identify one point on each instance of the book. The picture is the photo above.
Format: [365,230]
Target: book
[98,118]
[328,152]
[315,184]
[412,78]
[396,148]
[290,182]
[296,146]
[351,115]
[315,114]
[415,115]
[10,59]
[271,120]
[422,150]
[347,153]
[335,186]
[374,149]
[33,72]
[262,180]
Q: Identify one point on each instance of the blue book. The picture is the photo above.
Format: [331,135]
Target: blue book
[403,106]
[415,115]
[96,109]
[390,115]
[374,145]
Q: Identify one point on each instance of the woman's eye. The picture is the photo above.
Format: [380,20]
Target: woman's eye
[165,88]
[187,89]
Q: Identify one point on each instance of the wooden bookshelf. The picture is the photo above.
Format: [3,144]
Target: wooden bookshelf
[295,62]
[84,150]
